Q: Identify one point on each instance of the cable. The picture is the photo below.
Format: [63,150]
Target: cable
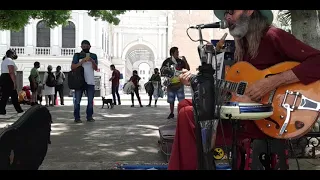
[187,31]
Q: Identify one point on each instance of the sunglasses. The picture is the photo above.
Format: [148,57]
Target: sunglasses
[230,12]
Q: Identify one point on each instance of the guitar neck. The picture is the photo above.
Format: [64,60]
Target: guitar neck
[227,85]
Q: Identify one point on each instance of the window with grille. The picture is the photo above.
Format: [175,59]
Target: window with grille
[69,35]
[43,35]
[17,38]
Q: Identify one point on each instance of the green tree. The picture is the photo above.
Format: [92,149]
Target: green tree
[305,25]
[17,19]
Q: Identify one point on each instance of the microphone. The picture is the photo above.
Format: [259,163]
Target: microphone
[222,25]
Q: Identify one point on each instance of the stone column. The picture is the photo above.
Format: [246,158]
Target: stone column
[99,32]
[170,29]
[159,49]
[3,43]
[92,39]
[120,44]
[80,36]
[165,48]
[115,45]
[109,35]
[55,41]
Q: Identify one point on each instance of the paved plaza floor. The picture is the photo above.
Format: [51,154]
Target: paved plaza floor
[119,135]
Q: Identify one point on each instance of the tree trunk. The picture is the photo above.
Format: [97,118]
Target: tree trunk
[305,26]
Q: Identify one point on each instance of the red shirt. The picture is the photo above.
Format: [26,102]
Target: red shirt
[115,80]
[279,46]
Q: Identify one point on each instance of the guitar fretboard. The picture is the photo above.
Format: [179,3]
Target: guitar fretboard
[238,88]
[227,85]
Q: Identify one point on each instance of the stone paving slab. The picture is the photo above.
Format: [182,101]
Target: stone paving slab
[119,135]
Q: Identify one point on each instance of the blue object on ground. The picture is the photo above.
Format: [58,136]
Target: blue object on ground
[163,167]
[144,167]
[223,167]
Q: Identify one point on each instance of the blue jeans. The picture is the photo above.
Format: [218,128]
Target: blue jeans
[78,95]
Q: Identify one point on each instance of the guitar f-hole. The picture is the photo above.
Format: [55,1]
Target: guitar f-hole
[274,122]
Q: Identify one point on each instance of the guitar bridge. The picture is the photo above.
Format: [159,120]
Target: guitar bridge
[305,104]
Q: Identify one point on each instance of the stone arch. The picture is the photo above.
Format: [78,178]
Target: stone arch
[138,42]
[135,54]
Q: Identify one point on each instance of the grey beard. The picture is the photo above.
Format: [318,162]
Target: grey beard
[241,27]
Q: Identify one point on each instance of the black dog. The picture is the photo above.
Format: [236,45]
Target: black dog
[107,102]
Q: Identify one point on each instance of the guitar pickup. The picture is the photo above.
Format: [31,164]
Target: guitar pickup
[241,88]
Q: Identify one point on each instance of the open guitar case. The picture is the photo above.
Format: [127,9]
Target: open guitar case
[24,144]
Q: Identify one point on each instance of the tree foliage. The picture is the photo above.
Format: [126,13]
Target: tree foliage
[17,19]
[284,17]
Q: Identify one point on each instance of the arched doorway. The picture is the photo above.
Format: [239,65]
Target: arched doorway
[139,56]
[144,72]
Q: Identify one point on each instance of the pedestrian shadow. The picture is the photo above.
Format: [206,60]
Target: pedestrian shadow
[135,142]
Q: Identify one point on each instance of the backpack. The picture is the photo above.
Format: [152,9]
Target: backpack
[76,79]
[51,80]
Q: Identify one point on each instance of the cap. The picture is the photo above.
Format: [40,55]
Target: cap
[85,42]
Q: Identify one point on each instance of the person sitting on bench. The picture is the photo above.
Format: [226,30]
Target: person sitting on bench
[262,45]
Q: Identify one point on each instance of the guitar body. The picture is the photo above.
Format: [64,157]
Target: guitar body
[301,120]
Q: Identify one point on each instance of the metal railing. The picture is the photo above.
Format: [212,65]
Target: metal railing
[43,51]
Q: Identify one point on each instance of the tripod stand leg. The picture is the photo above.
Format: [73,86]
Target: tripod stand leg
[235,125]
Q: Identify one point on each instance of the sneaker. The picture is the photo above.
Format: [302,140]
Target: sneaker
[90,120]
[171,116]
[77,121]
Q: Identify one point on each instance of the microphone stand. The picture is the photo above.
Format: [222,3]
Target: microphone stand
[204,104]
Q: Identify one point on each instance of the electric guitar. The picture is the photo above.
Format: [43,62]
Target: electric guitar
[295,106]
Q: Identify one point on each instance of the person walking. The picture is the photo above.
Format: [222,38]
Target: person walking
[115,84]
[8,83]
[135,80]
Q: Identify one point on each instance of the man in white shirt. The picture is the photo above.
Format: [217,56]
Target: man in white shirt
[89,62]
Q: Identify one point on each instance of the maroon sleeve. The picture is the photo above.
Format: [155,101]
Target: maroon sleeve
[113,73]
[118,74]
[308,71]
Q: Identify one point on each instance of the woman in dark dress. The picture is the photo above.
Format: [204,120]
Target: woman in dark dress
[135,80]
